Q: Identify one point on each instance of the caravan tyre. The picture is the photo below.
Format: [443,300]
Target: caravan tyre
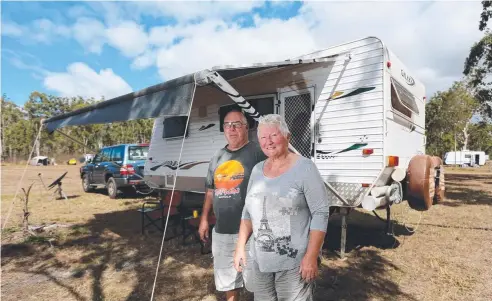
[421,182]
[112,189]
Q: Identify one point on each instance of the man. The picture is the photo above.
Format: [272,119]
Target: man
[226,184]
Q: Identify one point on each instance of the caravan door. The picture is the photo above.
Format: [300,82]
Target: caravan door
[297,107]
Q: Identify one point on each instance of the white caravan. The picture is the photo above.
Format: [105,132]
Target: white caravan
[354,109]
[372,123]
[467,157]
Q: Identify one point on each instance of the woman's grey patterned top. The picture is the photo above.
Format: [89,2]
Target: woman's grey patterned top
[283,210]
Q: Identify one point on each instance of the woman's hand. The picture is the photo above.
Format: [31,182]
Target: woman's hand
[239,259]
[309,268]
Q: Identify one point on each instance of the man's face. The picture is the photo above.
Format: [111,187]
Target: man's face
[235,129]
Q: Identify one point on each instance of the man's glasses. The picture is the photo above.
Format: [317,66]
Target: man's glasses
[233,125]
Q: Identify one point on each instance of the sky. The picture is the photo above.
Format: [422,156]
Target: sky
[107,49]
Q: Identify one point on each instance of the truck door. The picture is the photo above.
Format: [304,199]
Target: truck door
[100,167]
[297,107]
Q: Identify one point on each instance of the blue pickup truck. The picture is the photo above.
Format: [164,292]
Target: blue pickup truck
[118,168]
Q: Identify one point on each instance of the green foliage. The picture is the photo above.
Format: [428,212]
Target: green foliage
[481,137]
[20,127]
[478,64]
[447,115]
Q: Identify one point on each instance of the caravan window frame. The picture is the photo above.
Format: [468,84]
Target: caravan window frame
[184,135]
[252,97]
[405,111]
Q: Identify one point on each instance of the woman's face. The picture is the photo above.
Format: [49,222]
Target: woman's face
[272,142]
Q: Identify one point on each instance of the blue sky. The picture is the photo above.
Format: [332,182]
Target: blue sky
[95,49]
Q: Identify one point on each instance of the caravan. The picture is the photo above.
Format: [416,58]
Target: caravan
[358,117]
[354,109]
[466,157]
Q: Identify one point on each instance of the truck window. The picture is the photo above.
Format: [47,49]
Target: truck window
[137,152]
[106,154]
[98,157]
[117,154]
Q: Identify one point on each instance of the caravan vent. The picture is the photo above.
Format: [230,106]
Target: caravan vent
[297,112]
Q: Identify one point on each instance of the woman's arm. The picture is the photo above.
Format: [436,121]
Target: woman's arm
[309,263]
[245,230]
[317,201]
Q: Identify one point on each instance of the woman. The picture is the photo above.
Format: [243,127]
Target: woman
[286,209]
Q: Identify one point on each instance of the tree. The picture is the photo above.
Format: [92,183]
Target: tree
[481,137]
[20,126]
[447,119]
[478,64]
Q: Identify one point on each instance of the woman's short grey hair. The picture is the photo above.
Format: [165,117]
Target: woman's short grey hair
[277,120]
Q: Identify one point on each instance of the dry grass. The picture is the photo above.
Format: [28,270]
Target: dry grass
[446,255]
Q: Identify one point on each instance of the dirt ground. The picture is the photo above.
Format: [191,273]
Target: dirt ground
[100,254]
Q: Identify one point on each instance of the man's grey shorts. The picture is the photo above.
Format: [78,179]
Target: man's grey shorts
[226,276]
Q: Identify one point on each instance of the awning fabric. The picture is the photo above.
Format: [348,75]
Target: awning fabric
[171,98]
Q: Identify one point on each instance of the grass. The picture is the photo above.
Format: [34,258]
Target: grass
[440,254]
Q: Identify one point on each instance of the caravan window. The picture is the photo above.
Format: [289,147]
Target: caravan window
[175,127]
[402,100]
[263,105]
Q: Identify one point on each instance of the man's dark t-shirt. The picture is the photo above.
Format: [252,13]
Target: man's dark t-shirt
[228,176]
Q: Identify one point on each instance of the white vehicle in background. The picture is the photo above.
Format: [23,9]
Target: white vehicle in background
[465,157]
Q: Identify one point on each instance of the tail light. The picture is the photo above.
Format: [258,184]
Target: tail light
[393,161]
[127,169]
[367,151]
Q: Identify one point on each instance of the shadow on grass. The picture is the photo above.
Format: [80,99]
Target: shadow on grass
[113,242]
[364,277]
[458,191]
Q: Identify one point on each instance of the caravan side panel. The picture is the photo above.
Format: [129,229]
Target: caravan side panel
[353,120]
[202,143]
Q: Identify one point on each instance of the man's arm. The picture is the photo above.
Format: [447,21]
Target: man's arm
[207,204]
[203,228]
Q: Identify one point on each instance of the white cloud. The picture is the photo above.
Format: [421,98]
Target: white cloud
[205,46]
[144,61]
[129,37]
[12,29]
[90,33]
[41,30]
[81,80]
[191,10]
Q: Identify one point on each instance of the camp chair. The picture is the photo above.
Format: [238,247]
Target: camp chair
[156,214]
[191,222]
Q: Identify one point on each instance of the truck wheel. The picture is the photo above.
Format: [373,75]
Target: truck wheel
[112,189]
[86,184]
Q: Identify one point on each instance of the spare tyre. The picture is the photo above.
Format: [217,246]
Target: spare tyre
[420,182]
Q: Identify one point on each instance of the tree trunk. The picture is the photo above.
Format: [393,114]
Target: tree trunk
[465,135]
[37,142]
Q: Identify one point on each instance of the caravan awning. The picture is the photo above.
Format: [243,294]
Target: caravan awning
[171,98]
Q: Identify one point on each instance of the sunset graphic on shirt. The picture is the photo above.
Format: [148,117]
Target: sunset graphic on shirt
[229,175]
